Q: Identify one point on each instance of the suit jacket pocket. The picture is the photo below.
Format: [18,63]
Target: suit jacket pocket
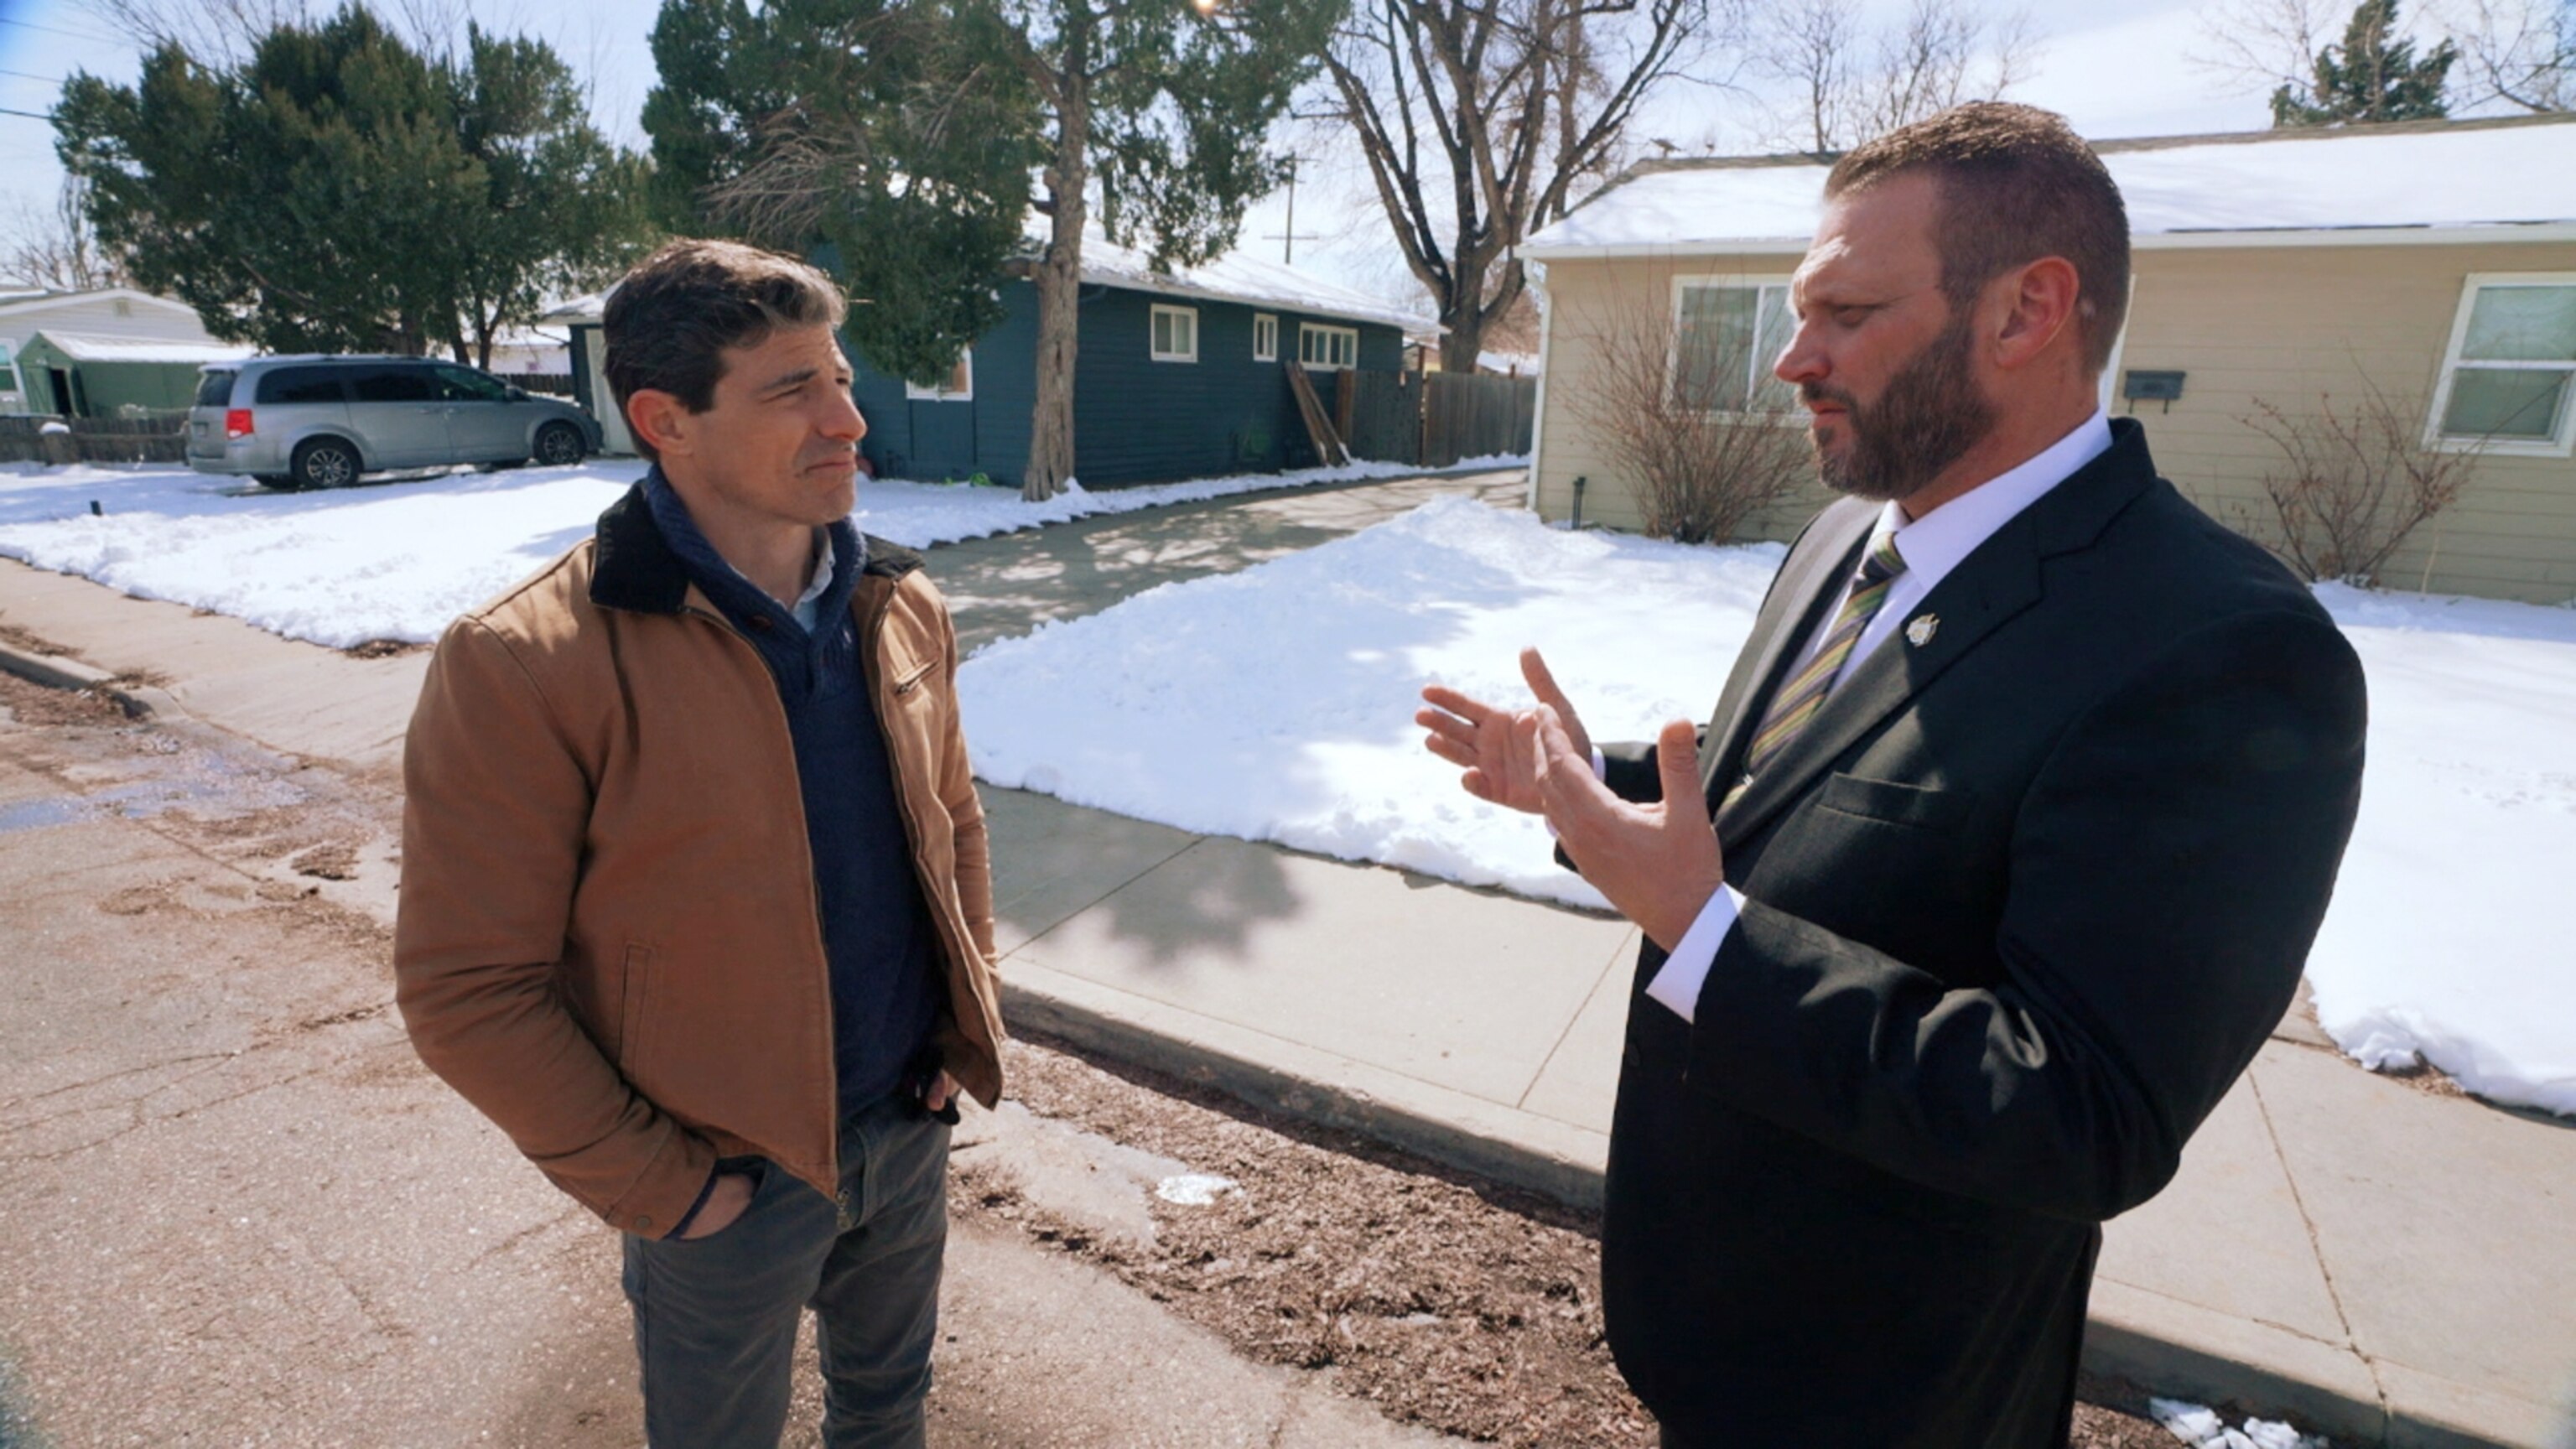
[1894,803]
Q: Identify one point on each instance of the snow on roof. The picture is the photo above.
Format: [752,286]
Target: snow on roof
[142,349]
[1240,278]
[1233,278]
[2439,178]
[40,300]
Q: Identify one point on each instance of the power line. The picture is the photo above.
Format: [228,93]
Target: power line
[51,80]
[58,30]
[30,115]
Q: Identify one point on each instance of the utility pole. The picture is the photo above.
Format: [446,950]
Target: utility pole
[1290,237]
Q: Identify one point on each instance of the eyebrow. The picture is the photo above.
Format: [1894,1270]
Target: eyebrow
[789,381]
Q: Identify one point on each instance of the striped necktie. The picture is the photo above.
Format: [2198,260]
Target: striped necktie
[1804,693]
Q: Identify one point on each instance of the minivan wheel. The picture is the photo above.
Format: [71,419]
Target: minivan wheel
[325,463]
[559,444]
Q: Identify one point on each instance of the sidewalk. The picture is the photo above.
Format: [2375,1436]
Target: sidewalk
[2387,1265]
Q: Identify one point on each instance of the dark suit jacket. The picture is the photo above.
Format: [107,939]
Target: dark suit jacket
[2025,897]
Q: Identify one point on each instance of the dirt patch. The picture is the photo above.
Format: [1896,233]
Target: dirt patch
[31,703]
[21,640]
[1451,1302]
[333,861]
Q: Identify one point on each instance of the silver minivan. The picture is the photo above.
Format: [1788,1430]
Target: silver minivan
[319,422]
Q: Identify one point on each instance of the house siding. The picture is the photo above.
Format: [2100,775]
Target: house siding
[1135,420]
[2284,326]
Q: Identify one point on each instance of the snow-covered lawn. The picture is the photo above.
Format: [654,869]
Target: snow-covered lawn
[1276,704]
[398,560]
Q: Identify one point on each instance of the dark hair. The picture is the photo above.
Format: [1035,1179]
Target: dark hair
[670,320]
[2016,184]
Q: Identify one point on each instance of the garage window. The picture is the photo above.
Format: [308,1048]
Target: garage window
[1176,334]
[1328,347]
[958,385]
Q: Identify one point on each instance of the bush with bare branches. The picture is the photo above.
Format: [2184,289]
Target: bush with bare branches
[1689,424]
[2356,481]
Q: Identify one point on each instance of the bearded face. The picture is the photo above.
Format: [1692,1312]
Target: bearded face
[1926,418]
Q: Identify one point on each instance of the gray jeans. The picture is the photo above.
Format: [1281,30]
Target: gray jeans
[715,1317]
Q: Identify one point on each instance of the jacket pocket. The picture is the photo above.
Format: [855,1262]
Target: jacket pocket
[1894,803]
[634,1013]
[910,679]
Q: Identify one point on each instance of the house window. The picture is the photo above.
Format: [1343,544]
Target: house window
[1265,337]
[1176,333]
[9,383]
[957,386]
[1726,336]
[1330,347]
[2509,380]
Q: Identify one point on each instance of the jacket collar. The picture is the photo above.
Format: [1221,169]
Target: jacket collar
[636,569]
[1995,582]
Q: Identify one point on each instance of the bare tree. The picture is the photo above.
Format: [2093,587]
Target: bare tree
[1484,120]
[223,32]
[56,249]
[1687,415]
[1849,85]
[2355,482]
[2520,53]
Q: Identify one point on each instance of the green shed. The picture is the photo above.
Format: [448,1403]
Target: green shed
[97,377]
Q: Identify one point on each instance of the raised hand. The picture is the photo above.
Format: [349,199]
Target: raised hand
[1483,739]
[1658,863]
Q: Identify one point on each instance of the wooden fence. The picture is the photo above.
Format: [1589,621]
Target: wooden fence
[1433,419]
[153,437]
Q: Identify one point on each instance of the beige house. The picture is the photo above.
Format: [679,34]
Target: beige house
[2433,265]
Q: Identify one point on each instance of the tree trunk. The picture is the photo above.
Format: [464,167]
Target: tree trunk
[1059,283]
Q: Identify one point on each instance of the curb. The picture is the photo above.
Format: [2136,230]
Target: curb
[62,671]
[2175,1348]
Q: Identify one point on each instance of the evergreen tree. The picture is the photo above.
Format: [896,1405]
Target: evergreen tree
[917,136]
[2373,76]
[340,190]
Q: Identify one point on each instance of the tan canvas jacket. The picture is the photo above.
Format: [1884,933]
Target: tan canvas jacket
[608,939]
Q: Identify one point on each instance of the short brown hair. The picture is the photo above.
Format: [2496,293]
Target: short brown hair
[2016,184]
[670,320]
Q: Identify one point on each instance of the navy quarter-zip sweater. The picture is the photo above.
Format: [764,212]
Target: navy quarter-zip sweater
[877,934]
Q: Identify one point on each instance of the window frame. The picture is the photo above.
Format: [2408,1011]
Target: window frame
[941,392]
[1158,312]
[2563,443]
[1791,415]
[1331,331]
[1265,322]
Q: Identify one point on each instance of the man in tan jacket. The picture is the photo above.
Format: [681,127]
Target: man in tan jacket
[695,902]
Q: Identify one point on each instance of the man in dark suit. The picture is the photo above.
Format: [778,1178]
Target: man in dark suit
[1997,862]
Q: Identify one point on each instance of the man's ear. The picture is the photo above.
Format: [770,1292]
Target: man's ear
[2038,300]
[661,420]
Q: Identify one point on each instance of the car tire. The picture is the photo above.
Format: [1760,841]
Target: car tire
[324,463]
[559,444]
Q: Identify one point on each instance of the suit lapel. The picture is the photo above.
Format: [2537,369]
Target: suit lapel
[1996,581]
[1810,579]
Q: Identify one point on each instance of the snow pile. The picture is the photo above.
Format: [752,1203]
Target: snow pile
[2203,1429]
[398,560]
[1276,704]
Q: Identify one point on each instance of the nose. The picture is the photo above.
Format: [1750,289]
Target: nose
[842,418]
[1803,360]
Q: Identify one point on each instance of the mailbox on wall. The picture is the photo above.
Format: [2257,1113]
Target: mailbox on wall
[2163,387]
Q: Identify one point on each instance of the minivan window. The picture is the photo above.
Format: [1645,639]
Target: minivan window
[393,383]
[464,384]
[215,389]
[302,385]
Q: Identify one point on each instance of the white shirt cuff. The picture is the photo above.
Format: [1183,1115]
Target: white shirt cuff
[1677,983]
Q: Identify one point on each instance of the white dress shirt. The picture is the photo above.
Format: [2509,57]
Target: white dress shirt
[1931,546]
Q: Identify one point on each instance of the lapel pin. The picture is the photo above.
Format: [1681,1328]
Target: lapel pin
[1920,630]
